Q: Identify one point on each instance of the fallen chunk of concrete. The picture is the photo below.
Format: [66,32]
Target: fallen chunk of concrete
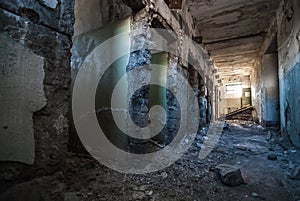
[229,174]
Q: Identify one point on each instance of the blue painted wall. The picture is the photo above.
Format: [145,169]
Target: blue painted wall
[289,68]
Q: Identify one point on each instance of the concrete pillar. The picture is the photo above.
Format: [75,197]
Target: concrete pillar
[270,93]
[94,24]
[158,94]
[202,102]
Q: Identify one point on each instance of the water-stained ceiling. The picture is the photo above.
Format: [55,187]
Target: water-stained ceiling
[233,31]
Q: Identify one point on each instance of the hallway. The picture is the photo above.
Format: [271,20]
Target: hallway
[149,100]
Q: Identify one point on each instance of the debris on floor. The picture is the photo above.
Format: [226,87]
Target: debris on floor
[243,145]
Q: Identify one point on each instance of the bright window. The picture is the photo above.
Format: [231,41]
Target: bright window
[235,89]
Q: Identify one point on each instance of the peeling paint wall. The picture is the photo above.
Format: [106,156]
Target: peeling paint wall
[21,94]
[289,68]
[36,36]
[264,77]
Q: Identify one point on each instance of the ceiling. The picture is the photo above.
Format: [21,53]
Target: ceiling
[233,31]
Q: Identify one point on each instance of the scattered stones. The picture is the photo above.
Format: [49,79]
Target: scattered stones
[193,179]
[272,157]
[229,174]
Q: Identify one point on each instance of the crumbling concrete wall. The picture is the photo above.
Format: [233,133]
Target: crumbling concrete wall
[93,28]
[286,28]
[152,95]
[140,56]
[194,61]
[289,68]
[36,36]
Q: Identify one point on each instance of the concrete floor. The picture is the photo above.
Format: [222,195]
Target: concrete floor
[243,144]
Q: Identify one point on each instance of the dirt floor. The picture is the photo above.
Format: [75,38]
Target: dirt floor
[266,168]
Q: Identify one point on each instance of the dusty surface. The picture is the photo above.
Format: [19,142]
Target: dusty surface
[246,146]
